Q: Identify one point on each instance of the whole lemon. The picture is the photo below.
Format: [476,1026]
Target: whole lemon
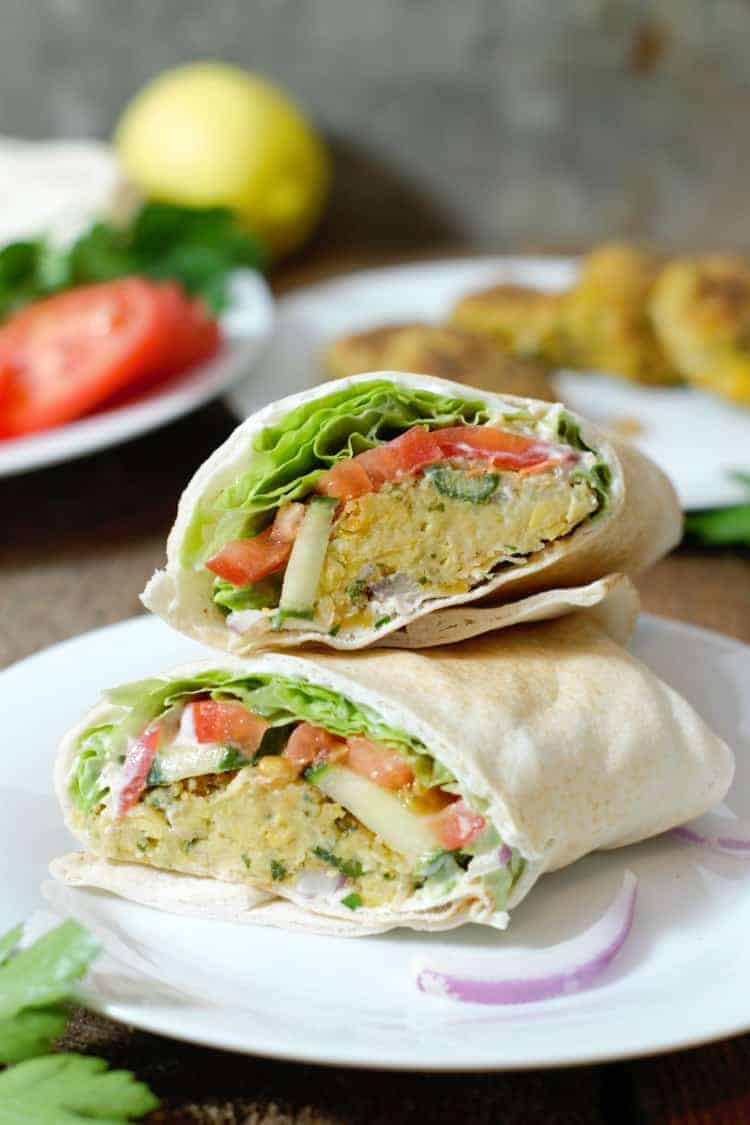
[212,135]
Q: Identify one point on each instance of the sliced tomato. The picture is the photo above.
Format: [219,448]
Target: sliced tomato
[346,480]
[227,721]
[242,561]
[248,560]
[135,770]
[310,745]
[191,335]
[418,447]
[69,353]
[502,448]
[386,767]
[457,825]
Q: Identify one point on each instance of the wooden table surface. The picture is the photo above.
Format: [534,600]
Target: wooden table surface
[78,543]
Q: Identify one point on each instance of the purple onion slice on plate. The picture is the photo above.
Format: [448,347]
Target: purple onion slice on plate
[523,978]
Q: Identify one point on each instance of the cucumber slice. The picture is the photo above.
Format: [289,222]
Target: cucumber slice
[180,762]
[379,810]
[458,485]
[306,560]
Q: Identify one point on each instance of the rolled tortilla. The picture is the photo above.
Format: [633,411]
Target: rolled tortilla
[636,522]
[552,734]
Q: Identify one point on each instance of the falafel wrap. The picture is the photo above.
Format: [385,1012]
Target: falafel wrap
[352,794]
[344,514]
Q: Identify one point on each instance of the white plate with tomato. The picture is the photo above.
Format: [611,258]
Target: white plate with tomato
[104,363]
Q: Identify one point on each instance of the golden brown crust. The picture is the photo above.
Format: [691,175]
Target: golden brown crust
[607,325]
[701,309]
[441,350]
[525,321]
[601,323]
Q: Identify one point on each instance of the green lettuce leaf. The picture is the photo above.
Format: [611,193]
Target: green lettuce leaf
[279,699]
[286,459]
[264,594]
[94,748]
[599,475]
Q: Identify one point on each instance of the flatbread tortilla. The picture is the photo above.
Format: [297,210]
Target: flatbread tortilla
[641,523]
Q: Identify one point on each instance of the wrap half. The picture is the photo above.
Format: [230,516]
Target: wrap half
[353,794]
[345,513]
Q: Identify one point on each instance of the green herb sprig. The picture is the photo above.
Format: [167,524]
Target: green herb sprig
[723,527]
[198,247]
[36,985]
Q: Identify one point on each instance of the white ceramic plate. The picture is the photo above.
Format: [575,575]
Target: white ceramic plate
[696,438]
[682,977]
[247,325]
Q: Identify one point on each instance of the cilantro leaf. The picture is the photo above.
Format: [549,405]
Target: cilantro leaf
[70,1089]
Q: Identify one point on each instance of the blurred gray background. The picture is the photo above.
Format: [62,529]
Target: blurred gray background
[510,123]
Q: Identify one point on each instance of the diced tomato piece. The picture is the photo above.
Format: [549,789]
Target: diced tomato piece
[502,448]
[345,481]
[381,464]
[415,449]
[310,745]
[457,825]
[227,721]
[382,765]
[248,560]
[135,770]
[287,523]
[242,561]
[405,454]
[64,355]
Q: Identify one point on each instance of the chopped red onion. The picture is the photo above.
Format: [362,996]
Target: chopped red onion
[527,977]
[504,856]
[722,833]
[317,884]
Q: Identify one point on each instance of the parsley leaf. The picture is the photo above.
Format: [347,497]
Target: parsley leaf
[198,247]
[71,1089]
[46,972]
[722,526]
[278,870]
[350,867]
[62,1089]
[353,901]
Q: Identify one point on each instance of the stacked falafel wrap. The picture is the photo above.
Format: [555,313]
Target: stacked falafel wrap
[363,511]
